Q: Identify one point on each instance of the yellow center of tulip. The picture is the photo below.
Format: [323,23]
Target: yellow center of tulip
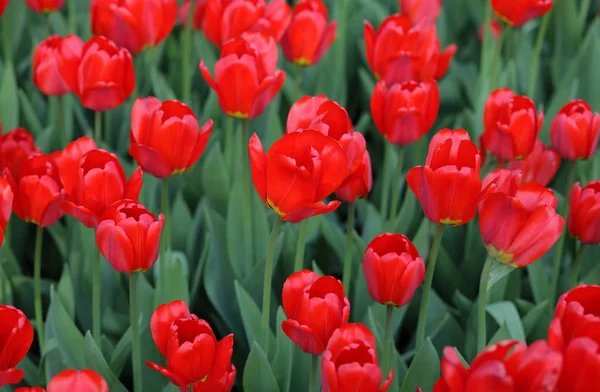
[499,255]
[504,19]
[302,62]
[178,171]
[274,208]
[31,220]
[453,222]
[240,115]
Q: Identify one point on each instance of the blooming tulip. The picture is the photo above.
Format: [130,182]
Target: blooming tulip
[77,380]
[574,130]
[49,56]
[584,213]
[45,6]
[540,165]
[6,203]
[421,11]
[518,12]
[581,366]
[358,184]
[16,335]
[16,146]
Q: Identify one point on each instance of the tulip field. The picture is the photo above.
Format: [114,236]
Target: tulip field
[299,195]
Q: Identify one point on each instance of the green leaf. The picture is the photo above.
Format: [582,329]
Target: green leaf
[251,316]
[499,270]
[95,361]
[284,353]
[161,87]
[65,291]
[258,375]
[121,353]
[424,369]
[215,179]
[505,313]
[9,110]
[177,282]
[539,281]
[181,218]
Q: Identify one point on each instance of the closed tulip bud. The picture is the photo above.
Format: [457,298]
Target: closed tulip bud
[17,335]
[308,36]
[448,186]
[350,360]
[135,25]
[301,169]
[584,213]
[45,6]
[518,229]
[393,269]
[165,136]
[400,52]
[358,184]
[581,366]
[574,131]
[6,203]
[503,181]
[404,112]
[511,125]
[128,236]
[49,56]
[77,380]
[315,307]
[421,11]
[518,12]
[540,165]
[16,146]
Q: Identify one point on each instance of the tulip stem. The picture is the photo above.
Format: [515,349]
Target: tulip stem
[396,189]
[300,246]
[347,276]
[483,287]
[385,187]
[98,128]
[388,342]
[37,287]
[577,265]
[186,55]
[96,283]
[61,129]
[229,145]
[435,248]
[313,373]
[266,301]
[135,333]
[535,62]
[298,83]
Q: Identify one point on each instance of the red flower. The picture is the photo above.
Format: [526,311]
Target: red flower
[584,213]
[3,4]
[30,389]
[421,11]
[135,25]
[519,228]
[581,368]
[16,336]
[350,361]
[511,125]
[505,366]
[309,36]
[393,269]
[400,52]
[94,180]
[128,236]
[518,12]
[104,77]
[49,56]
[38,191]
[448,186]
[17,146]
[495,27]
[315,307]
[245,76]
[540,165]
[77,380]
[45,6]
[574,130]
[6,203]
[358,184]
[301,169]
[502,181]
[165,137]
[404,112]
[194,356]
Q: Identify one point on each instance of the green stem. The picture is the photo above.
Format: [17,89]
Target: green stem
[347,275]
[396,189]
[314,369]
[435,248]
[298,83]
[385,187]
[229,144]
[60,126]
[577,265]
[164,243]
[537,51]
[96,285]
[72,16]
[37,287]
[483,286]
[388,342]
[98,128]
[136,361]
[300,246]
[48,23]
[107,130]
[266,301]
[186,56]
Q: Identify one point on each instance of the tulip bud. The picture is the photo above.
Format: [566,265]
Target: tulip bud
[49,56]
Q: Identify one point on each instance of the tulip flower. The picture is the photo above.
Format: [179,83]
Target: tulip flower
[17,335]
[540,165]
[507,366]
[128,236]
[194,356]
[134,25]
[30,389]
[511,125]
[45,6]
[502,181]
[393,269]
[400,52]
[574,130]
[350,360]
[77,380]
[15,147]
[581,366]
[94,180]
[315,307]
[448,186]
[301,169]
[518,12]
[308,36]
[358,184]
[404,112]
[3,4]
[49,56]
[6,203]
[245,76]
[165,137]
[421,11]
[518,229]
[584,213]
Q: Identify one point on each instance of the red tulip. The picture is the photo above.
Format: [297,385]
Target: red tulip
[581,368]
[584,213]
[17,145]
[301,169]
[194,356]
[77,380]
[399,52]
[404,112]
[165,137]
[16,336]
[6,203]
[104,77]
[358,184]
[518,12]
[128,236]
[574,130]
[309,36]
[49,56]
[245,76]
[45,6]
[421,11]
[518,229]
[315,307]
[495,27]
[30,389]
[393,269]
[505,366]
[94,180]
[3,4]
[350,362]
[38,191]
[511,125]
[540,165]
[503,181]
[448,186]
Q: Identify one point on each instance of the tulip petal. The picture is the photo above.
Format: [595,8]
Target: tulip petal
[174,378]
[268,89]
[258,166]
[303,337]
[115,246]
[11,376]
[311,210]
[134,185]
[162,319]
[150,160]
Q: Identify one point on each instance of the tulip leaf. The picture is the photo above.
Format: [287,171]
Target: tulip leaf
[121,353]
[537,316]
[258,375]
[65,291]
[505,313]
[499,270]
[95,361]
[215,179]
[251,316]
[284,353]
[181,219]
[177,282]
[424,370]
[160,86]
[9,110]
